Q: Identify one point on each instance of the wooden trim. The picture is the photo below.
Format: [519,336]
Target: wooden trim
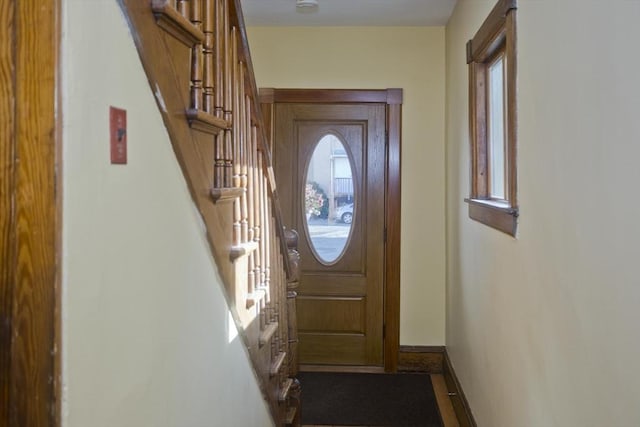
[427,359]
[392,247]
[456,394]
[447,413]
[478,129]
[29,290]
[341,368]
[7,196]
[59,192]
[511,53]
[489,34]
[175,24]
[205,122]
[229,194]
[335,96]
[502,219]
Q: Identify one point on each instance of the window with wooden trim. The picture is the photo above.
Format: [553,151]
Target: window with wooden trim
[491,56]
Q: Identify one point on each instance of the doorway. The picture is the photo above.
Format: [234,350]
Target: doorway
[337,172]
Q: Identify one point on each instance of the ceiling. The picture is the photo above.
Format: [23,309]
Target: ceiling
[349,13]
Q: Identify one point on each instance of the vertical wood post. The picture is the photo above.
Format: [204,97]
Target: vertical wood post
[196,59]
[208,57]
[29,213]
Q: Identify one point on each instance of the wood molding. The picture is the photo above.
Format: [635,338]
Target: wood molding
[342,368]
[502,219]
[392,247]
[458,399]
[332,96]
[206,122]
[427,359]
[219,195]
[30,223]
[447,413]
[176,24]
[489,33]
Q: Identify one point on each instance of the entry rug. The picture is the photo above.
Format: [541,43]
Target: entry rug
[350,399]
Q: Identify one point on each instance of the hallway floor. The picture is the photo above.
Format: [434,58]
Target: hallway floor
[442,397]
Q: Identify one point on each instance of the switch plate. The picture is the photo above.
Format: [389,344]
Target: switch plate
[118,131]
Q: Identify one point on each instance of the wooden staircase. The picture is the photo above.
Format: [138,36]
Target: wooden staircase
[196,57]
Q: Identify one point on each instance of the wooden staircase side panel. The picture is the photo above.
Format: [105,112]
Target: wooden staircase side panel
[167,82]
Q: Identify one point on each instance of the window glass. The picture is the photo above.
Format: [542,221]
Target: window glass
[329,206]
[496,129]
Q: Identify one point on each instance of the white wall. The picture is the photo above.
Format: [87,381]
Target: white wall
[145,324]
[410,58]
[543,329]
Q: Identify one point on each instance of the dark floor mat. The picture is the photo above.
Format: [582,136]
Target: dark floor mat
[390,400]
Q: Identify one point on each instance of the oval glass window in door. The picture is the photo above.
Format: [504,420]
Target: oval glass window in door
[329,202]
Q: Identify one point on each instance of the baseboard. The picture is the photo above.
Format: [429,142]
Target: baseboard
[456,394]
[428,359]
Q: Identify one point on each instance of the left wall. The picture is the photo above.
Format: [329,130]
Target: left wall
[146,334]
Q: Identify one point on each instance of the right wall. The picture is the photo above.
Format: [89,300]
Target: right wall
[544,329]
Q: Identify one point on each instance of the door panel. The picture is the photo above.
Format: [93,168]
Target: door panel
[340,303]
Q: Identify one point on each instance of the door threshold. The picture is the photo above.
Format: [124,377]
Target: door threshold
[342,368]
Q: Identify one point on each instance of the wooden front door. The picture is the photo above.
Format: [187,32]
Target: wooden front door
[340,298]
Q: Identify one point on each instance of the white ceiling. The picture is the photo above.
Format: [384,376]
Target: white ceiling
[349,13]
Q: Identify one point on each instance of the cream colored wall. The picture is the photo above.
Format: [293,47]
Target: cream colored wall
[543,329]
[379,58]
[145,324]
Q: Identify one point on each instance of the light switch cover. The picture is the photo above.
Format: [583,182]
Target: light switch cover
[118,131]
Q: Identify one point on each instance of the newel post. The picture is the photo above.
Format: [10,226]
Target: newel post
[291,238]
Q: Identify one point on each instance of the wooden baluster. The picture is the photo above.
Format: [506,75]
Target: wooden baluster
[228,64]
[263,243]
[260,221]
[220,165]
[284,305]
[268,296]
[266,240]
[196,59]
[256,207]
[251,147]
[243,141]
[280,292]
[183,8]
[208,63]
[277,304]
[218,52]
[196,13]
[228,93]
[236,130]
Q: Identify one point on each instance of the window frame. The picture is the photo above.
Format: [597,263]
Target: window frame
[496,36]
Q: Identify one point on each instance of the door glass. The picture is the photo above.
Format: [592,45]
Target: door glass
[329,199]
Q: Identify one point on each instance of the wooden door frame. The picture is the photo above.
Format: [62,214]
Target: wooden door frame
[392,98]
[30,136]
